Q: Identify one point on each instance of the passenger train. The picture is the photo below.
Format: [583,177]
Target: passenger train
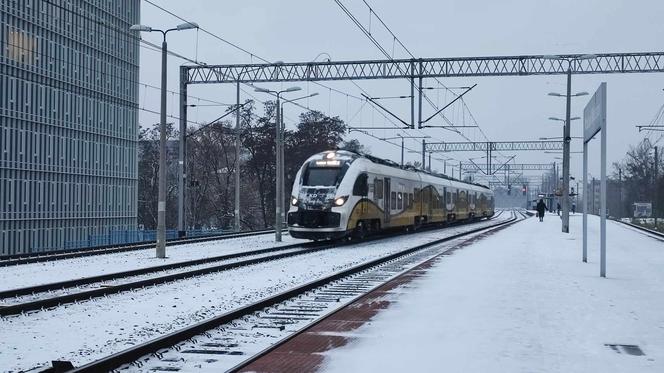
[339,194]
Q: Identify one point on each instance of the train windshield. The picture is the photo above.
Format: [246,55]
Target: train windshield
[323,176]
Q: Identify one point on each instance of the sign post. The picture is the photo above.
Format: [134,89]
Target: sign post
[594,121]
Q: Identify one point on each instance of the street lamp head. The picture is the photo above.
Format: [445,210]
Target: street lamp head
[313,94]
[555,94]
[263,90]
[581,94]
[293,89]
[574,118]
[187,26]
[557,119]
[140,28]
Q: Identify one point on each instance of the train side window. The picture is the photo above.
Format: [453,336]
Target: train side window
[378,188]
[361,188]
[399,201]
[417,195]
[410,200]
[393,200]
[449,197]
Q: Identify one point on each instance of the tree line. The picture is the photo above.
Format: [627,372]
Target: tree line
[210,165]
[637,178]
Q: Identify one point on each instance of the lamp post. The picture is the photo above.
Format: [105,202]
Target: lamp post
[279,200]
[282,152]
[566,157]
[566,145]
[161,206]
[566,135]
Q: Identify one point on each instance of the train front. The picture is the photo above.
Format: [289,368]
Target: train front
[318,208]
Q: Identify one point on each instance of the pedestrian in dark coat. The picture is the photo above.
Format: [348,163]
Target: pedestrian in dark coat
[541,208]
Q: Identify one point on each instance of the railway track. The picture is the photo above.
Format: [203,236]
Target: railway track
[46,296]
[9,260]
[234,335]
[650,232]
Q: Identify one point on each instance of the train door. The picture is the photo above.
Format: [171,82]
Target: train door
[444,204]
[387,194]
[429,203]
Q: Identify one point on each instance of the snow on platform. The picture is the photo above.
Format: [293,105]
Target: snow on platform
[523,301]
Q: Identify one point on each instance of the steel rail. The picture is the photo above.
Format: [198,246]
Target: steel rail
[654,234]
[141,271]
[134,353]
[114,289]
[28,258]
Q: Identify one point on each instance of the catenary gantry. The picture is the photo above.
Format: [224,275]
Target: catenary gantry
[428,68]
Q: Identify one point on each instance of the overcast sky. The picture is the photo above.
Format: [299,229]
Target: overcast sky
[508,108]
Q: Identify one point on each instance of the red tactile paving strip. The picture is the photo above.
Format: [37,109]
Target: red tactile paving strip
[304,352]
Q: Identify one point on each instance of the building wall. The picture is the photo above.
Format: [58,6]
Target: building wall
[69,115]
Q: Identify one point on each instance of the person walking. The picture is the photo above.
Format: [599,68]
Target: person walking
[558,209]
[541,208]
[573,208]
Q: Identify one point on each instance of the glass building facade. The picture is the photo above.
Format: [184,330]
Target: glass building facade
[69,116]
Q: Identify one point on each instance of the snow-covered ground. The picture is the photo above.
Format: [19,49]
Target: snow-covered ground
[90,330]
[24,275]
[522,301]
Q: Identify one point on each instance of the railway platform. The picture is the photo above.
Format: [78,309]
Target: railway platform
[520,300]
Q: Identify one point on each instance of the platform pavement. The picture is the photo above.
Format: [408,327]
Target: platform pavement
[522,301]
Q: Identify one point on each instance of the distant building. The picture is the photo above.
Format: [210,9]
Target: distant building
[69,114]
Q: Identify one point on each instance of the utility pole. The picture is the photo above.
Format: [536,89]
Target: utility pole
[424,149]
[593,188]
[656,205]
[282,169]
[279,198]
[161,205]
[279,173]
[566,149]
[238,144]
[182,155]
[622,215]
[566,132]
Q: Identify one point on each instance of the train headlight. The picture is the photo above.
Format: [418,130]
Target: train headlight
[339,201]
[293,201]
